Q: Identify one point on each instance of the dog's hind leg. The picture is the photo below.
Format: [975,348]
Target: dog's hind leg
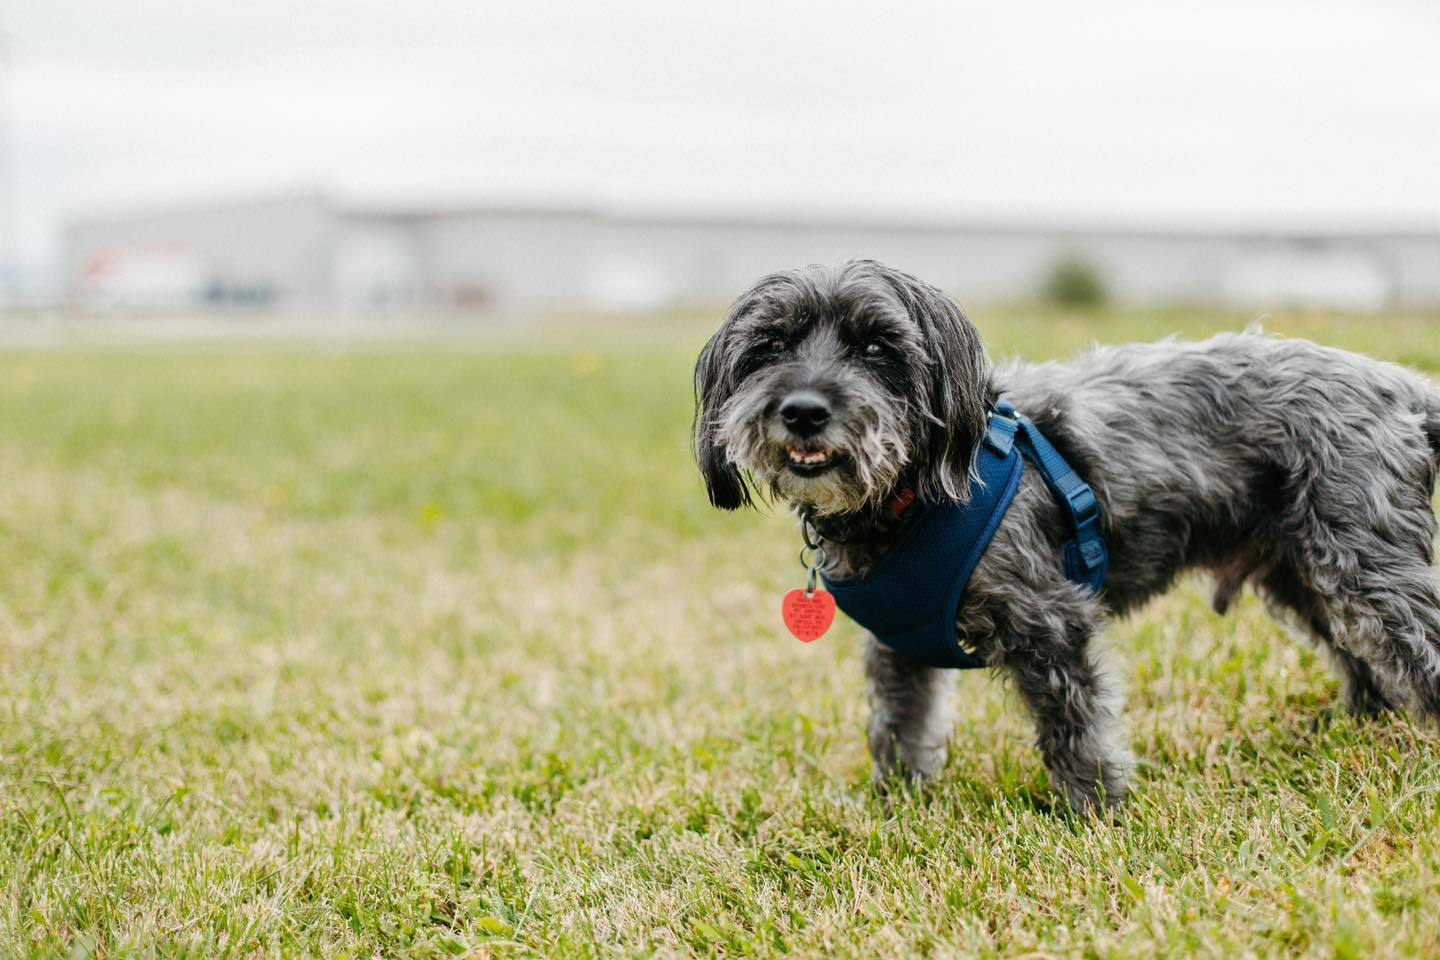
[1364,695]
[1392,625]
[1358,531]
[910,716]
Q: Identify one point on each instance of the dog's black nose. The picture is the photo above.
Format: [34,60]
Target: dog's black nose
[805,412]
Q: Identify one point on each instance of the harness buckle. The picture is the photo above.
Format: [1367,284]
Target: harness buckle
[1083,505]
[1092,552]
[1001,433]
[1088,545]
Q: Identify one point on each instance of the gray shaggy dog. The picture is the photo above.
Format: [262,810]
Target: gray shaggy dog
[1304,470]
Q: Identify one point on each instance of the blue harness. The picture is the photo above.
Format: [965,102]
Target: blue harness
[909,601]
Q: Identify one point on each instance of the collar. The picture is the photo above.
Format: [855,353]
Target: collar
[884,520]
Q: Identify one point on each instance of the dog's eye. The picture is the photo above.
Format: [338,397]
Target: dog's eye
[763,351]
[873,350]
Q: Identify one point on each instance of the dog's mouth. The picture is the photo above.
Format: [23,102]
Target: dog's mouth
[810,461]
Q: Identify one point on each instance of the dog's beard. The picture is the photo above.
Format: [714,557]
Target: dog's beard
[868,443]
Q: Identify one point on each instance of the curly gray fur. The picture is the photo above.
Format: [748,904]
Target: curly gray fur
[1303,470]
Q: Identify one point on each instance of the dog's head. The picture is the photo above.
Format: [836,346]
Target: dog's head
[825,386]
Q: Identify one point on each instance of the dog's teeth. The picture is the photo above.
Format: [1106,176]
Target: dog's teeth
[808,456]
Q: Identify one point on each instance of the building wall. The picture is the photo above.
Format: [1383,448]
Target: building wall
[710,263]
[507,260]
[1416,262]
[707,263]
[308,254]
[378,264]
[260,252]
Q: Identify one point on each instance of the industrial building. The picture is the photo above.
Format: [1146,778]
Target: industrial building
[307,251]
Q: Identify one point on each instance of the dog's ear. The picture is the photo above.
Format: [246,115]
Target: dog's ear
[958,393]
[714,384]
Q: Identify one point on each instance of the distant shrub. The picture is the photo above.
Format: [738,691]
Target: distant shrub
[1075,283]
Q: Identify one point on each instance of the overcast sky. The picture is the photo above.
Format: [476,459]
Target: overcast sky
[1267,110]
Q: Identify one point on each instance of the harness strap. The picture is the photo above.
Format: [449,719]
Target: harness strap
[910,598]
[1086,558]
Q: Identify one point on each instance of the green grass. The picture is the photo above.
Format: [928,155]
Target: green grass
[440,652]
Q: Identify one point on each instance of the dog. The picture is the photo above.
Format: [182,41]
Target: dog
[1303,470]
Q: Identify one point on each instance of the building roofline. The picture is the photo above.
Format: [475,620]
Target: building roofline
[1077,226]
[797,218]
[1090,226]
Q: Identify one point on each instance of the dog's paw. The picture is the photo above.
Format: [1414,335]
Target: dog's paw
[898,761]
[1100,794]
[898,779]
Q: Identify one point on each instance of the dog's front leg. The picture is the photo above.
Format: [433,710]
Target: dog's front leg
[910,719]
[1048,653]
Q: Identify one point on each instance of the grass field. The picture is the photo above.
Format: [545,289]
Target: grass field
[439,651]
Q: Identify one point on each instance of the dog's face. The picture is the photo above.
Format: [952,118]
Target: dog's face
[826,386]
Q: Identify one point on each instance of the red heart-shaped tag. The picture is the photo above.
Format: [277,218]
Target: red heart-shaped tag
[808,617]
